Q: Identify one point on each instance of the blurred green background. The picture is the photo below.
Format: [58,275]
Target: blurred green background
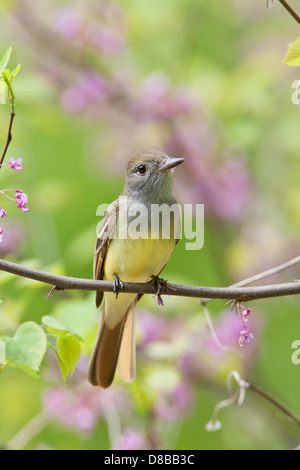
[101,80]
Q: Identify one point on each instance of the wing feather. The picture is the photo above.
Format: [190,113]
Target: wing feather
[105,234]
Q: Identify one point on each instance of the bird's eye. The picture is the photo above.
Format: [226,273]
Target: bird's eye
[141,169]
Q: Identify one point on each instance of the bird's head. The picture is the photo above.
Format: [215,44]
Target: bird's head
[149,176]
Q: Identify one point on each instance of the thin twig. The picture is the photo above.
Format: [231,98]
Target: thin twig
[269,272]
[290,10]
[230,293]
[274,402]
[238,395]
[49,295]
[11,97]
[9,137]
[215,336]
[263,275]
[36,424]
[30,430]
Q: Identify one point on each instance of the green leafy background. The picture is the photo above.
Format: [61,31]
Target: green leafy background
[231,54]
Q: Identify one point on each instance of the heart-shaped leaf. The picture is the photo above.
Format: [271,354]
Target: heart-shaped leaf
[56,327]
[28,347]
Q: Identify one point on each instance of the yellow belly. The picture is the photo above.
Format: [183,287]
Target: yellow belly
[133,261]
[136,260]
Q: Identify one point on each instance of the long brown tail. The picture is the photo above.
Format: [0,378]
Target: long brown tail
[126,362]
[106,353]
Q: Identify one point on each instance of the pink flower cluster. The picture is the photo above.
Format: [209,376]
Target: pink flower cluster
[77,406]
[14,164]
[20,198]
[245,335]
[105,84]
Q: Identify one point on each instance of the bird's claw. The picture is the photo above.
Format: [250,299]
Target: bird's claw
[55,288]
[159,282]
[118,284]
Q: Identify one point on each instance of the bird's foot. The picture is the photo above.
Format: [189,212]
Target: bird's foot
[118,284]
[159,282]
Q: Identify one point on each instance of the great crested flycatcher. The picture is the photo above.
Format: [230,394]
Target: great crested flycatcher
[131,258]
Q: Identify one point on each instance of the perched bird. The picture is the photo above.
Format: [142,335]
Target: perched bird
[132,248]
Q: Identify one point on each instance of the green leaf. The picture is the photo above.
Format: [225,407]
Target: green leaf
[4,59]
[7,75]
[68,348]
[293,54]
[56,327]
[15,71]
[28,347]
[63,367]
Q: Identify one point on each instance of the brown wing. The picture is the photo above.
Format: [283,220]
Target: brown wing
[105,234]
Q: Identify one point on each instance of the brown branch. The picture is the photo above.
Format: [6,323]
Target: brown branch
[9,137]
[228,293]
[275,403]
[290,10]
[11,97]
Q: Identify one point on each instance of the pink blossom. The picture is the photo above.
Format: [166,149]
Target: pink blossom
[90,89]
[228,328]
[105,39]
[130,440]
[152,327]
[70,410]
[1,234]
[160,100]
[175,403]
[68,24]
[3,213]
[21,199]
[245,337]
[85,418]
[16,164]
[13,239]
[246,314]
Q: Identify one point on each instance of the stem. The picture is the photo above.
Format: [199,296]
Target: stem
[29,431]
[3,191]
[230,293]
[290,10]
[214,333]
[9,137]
[260,276]
[11,97]
[274,402]
[34,426]
[269,272]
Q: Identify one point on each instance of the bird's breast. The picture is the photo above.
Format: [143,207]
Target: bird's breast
[147,245]
[137,260]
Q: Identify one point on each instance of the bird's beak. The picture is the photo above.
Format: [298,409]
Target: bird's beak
[169,163]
